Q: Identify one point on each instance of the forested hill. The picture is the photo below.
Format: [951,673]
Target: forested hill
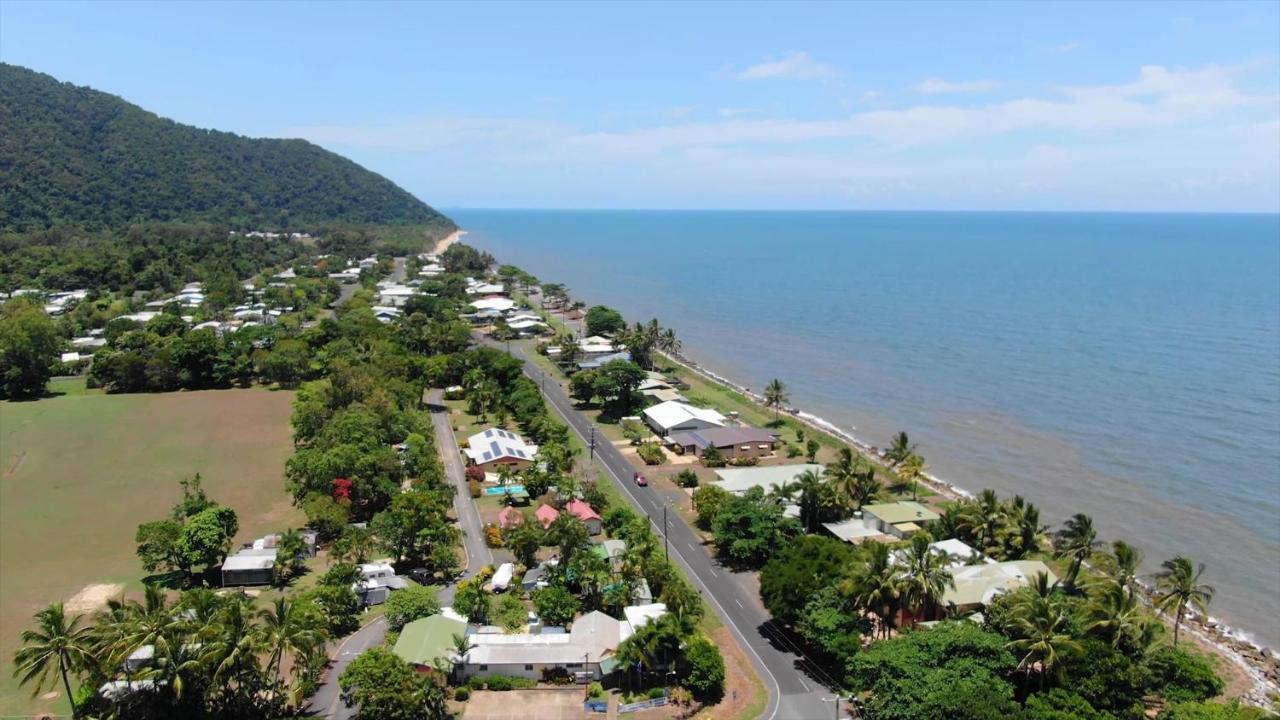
[74,155]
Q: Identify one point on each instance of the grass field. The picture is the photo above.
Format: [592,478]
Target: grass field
[80,471]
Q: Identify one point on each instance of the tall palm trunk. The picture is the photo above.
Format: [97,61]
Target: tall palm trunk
[66,683]
[1177,624]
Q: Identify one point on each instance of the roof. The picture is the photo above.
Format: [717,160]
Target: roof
[672,413]
[979,584]
[723,437]
[250,560]
[498,444]
[640,615]
[500,304]
[602,360]
[509,516]
[610,549]
[594,636]
[546,514]
[424,640]
[582,510]
[905,511]
[956,551]
[853,530]
[740,480]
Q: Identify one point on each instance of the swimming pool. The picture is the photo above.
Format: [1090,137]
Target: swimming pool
[501,490]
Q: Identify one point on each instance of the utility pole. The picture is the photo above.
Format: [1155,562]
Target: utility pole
[835,700]
[666,550]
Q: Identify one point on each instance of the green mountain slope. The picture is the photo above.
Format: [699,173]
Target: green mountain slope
[75,155]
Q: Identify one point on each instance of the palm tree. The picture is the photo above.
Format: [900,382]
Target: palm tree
[1042,638]
[900,448]
[1114,614]
[1076,542]
[983,518]
[232,652]
[58,643]
[910,472]
[873,585]
[1024,534]
[1124,563]
[809,486]
[775,396]
[462,645]
[853,480]
[287,627]
[669,343]
[1179,586]
[924,577]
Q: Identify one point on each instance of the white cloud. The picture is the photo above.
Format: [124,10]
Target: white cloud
[1063,48]
[870,95]
[936,86]
[792,66]
[680,111]
[729,112]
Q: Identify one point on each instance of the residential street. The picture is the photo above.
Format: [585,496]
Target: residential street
[795,692]
[478,554]
[327,701]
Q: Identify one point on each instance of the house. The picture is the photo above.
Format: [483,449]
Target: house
[585,652]
[528,327]
[598,361]
[899,519]
[425,641]
[857,530]
[732,442]
[386,313]
[546,515]
[956,553]
[249,567]
[640,615]
[611,550]
[396,295]
[659,388]
[140,317]
[509,517]
[88,342]
[534,579]
[494,448]
[977,585]
[770,478]
[598,345]
[584,512]
[499,304]
[71,357]
[484,288]
[674,416]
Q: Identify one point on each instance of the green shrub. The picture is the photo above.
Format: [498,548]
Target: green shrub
[655,693]
[793,451]
[686,478]
[595,690]
[652,454]
[744,461]
[713,458]
[501,683]
[473,488]
[462,694]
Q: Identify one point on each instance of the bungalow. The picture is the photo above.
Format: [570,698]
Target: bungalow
[599,361]
[396,295]
[977,585]
[249,567]
[598,345]
[534,579]
[495,448]
[674,416]
[732,442]
[584,512]
[659,388]
[585,652]
[386,313]
[482,288]
[501,305]
[769,478]
[611,551]
[857,530]
[528,327]
[956,553]
[899,519]
[88,342]
[509,517]
[546,515]
[425,641]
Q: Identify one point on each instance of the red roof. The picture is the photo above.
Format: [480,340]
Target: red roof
[509,517]
[546,514]
[582,510]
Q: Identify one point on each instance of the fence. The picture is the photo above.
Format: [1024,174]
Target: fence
[644,705]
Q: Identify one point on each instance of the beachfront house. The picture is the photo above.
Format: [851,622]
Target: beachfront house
[598,361]
[769,478]
[956,554]
[673,416]
[899,519]
[657,387]
[426,641]
[731,442]
[978,585]
[495,448]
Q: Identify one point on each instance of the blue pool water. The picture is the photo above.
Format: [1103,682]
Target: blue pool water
[503,490]
[1126,366]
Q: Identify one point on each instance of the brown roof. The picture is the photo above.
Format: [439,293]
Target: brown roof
[723,437]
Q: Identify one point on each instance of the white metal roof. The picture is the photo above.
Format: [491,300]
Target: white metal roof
[496,444]
[671,414]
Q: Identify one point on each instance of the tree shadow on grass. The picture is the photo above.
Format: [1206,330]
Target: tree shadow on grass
[175,580]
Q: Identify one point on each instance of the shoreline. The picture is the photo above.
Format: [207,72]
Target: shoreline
[452,238]
[1236,645]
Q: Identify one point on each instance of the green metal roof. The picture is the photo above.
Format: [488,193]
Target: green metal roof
[901,512]
[424,640]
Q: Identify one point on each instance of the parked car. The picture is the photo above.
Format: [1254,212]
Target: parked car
[640,480]
[422,576]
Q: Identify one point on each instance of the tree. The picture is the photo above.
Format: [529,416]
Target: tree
[555,605]
[603,320]
[983,519]
[1123,565]
[910,471]
[776,396]
[750,527]
[1210,711]
[291,549]
[384,687]
[1178,587]
[874,586]
[58,644]
[708,501]
[923,577]
[28,345]
[900,448]
[1061,704]
[704,674]
[796,573]
[1183,676]
[206,537]
[1114,614]
[582,386]
[568,532]
[472,602]
[1076,542]
[616,382]
[157,546]
[288,627]
[412,603]
[414,524]
[1042,638]
[809,485]
[523,540]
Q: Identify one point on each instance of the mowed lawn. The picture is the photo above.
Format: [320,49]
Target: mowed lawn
[80,471]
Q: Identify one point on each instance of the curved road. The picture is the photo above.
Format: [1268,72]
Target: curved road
[796,687]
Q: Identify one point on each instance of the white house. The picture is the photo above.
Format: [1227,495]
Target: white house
[673,415]
[495,447]
[498,304]
[396,295]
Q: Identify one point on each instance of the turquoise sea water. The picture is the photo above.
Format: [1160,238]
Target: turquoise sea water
[1126,366]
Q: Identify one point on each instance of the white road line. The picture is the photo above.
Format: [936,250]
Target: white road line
[691,547]
[803,683]
[739,603]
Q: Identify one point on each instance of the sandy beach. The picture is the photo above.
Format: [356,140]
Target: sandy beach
[444,243]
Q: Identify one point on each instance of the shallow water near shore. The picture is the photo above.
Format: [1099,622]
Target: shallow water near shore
[1125,366]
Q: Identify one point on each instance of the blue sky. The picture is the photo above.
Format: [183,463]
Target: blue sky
[1079,106]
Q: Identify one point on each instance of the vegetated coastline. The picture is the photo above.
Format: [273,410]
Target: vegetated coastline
[1236,645]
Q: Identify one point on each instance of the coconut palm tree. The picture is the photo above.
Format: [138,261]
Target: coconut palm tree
[232,650]
[1123,565]
[1076,542]
[853,480]
[1042,638]
[776,396]
[1023,533]
[58,644]
[983,519]
[462,646]
[923,577]
[809,486]
[669,343]
[910,471]
[1179,587]
[1114,614]
[287,627]
[873,585]
[900,448]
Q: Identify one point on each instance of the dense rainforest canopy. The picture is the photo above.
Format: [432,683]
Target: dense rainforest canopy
[75,156]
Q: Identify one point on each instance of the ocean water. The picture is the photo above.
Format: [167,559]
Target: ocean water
[1125,366]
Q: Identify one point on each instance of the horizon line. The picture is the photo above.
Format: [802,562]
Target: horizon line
[854,210]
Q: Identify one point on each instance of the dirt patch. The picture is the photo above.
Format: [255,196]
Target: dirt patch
[93,597]
[548,704]
[16,464]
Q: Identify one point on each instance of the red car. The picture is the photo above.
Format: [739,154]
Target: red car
[640,480]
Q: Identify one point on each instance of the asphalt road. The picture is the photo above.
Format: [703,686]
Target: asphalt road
[327,702]
[478,554]
[796,688]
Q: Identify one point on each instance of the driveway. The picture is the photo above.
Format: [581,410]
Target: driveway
[547,704]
